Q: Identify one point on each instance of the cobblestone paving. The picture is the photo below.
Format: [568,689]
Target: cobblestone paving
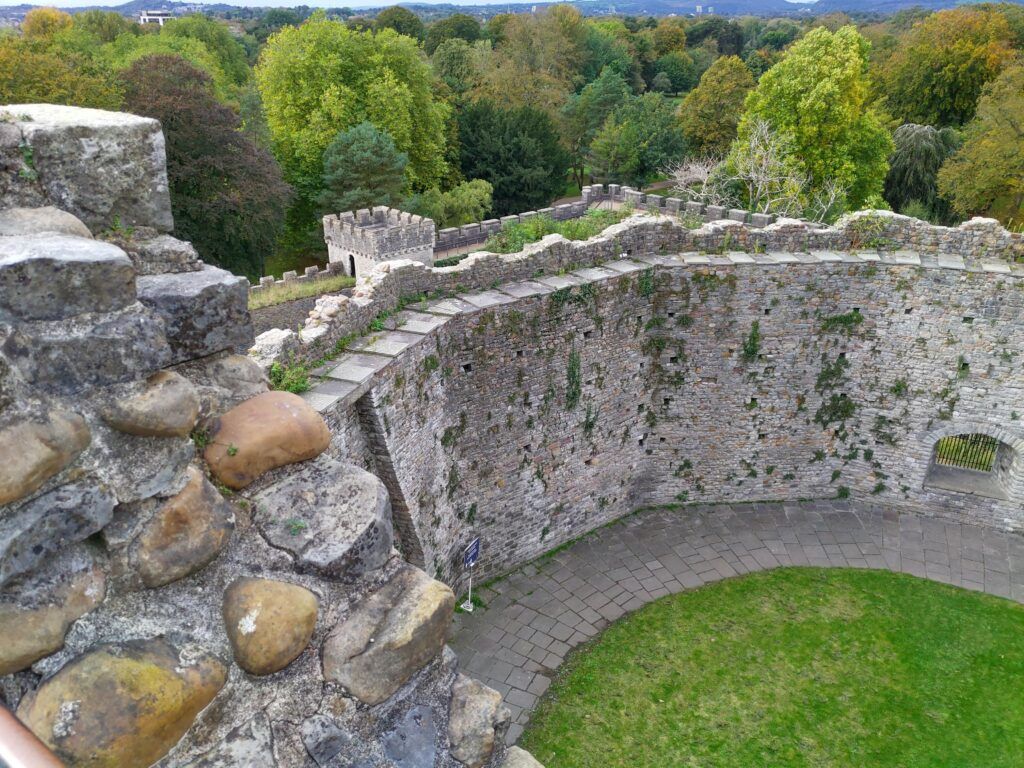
[537,614]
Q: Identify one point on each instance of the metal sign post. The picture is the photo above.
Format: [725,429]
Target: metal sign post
[470,555]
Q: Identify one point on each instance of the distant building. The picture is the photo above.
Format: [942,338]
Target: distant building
[360,239]
[155,17]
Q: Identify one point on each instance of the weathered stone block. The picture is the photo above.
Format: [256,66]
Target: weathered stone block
[32,450]
[269,623]
[52,277]
[36,611]
[123,705]
[334,518]
[250,745]
[153,253]
[389,636]
[45,525]
[204,312]
[412,742]
[106,168]
[65,357]
[263,433]
[476,721]
[32,222]
[519,758]
[165,405]
[185,534]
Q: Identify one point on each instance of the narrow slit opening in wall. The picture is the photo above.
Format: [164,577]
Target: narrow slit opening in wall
[908,310]
[767,311]
[673,359]
[467,367]
[762,435]
[588,334]
[519,353]
[968,320]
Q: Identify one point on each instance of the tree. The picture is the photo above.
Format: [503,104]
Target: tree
[457,25]
[669,36]
[637,141]
[465,203]
[456,62]
[127,49]
[662,83]
[919,151]
[516,151]
[815,104]
[727,35]
[678,68]
[321,77]
[585,113]
[362,168]
[44,23]
[710,112]
[402,20]
[937,72]
[105,26]
[227,194]
[34,76]
[987,175]
[221,44]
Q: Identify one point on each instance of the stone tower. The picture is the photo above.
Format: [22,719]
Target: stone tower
[360,239]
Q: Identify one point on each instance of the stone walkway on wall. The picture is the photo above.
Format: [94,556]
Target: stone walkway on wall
[537,614]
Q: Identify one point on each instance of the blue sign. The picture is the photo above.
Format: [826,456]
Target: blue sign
[472,553]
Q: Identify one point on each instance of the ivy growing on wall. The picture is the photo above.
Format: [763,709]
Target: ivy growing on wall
[573,380]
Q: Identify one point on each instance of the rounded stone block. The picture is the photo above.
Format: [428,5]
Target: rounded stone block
[389,636]
[334,518]
[519,758]
[185,534]
[46,220]
[123,705]
[269,623]
[166,406]
[36,611]
[263,433]
[34,450]
[476,721]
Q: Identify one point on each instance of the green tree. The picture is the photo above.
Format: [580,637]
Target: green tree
[919,151]
[225,48]
[515,150]
[727,35]
[322,77]
[125,50]
[44,23]
[402,20]
[456,62]
[105,26]
[457,25]
[815,103]
[637,142]
[669,36]
[585,113]
[362,168]
[987,175]
[462,204]
[227,194]
[710,112]
[679,68]
[29,75]
[938,70]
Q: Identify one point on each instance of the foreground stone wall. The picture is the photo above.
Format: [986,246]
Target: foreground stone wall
[192,570]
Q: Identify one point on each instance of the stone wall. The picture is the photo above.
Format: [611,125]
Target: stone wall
[450,238]
[193,571]
[543,408]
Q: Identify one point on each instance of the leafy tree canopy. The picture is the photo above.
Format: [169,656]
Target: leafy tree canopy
[462,204]
[362,168]
[227,194]
[987,175]
[224,47]
[710,112]
[322,77]
[815,100]
[637,142]
[30,75]
[403,21]
[458,25]
[516,151]
[919,152]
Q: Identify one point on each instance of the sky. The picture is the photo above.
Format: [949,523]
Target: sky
[268,3]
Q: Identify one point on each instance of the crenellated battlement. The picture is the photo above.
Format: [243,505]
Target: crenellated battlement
[359,239]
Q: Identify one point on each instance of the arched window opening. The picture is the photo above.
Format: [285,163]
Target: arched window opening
[351,265]
[971,463]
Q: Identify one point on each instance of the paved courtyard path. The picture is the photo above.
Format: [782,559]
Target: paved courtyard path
[538,613]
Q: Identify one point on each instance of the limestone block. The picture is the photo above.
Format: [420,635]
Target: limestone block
[412,742]
[250,745]
[136,468]
[38,529]
[52,277]
[106,168]
[153,253]
[324,739]
[334,518]
[123,705]
[36,611]
[204,311]
[185,534]
[269,623]
[519,758]
[389,636]
[166,405]
[265,432]
[223,381]
[275,345]
[32,450]
[67,356]
[32,222]
[476,720]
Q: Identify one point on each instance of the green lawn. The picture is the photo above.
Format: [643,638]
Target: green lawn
[795,667]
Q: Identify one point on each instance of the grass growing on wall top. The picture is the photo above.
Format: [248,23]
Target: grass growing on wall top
[795,667]
[513,237]
[292,290]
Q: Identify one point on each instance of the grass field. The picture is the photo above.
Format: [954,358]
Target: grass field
[268,297]
[795,667]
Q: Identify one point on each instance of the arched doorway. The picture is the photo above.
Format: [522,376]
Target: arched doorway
[351,265]
[981,461]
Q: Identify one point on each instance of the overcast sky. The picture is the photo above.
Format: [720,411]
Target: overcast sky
[265,3]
